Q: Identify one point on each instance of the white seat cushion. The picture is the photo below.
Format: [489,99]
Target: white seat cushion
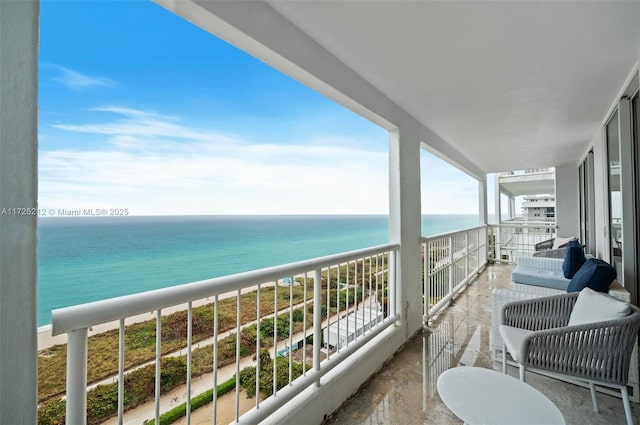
[513,338]
[592,306]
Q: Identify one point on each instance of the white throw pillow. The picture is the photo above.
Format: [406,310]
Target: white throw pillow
[592,306]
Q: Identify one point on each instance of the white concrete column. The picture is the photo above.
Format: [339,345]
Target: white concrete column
[405,224]
[483,213]
[567,201]
[512,207]
[18,189]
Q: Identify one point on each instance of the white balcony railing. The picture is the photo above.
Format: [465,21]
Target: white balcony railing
[509,241]
[346,300]
[341,301]
[450,261]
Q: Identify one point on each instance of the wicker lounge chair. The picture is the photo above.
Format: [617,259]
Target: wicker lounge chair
[552,248]
[537,335]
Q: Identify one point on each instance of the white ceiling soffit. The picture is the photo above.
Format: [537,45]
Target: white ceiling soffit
[511,85]
[492,86]
[257,28]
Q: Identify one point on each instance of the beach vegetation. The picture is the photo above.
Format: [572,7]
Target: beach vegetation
[248,374]
[52,412]
[139,385]
[196,402]
[140,342]
[140,338]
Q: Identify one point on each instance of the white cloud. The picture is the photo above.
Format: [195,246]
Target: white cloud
[143,129]
[445,189]
[77,81]
[152,164]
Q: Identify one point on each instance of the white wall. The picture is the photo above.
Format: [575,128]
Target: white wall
[18,189]
[483,204]
[567,201]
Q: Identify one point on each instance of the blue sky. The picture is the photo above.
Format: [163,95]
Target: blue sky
[140,109]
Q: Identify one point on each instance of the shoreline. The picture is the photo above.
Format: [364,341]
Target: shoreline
[47,340]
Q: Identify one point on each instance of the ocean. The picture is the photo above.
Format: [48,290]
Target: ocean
[83,259]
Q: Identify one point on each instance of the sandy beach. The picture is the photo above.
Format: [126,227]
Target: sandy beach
[46,339]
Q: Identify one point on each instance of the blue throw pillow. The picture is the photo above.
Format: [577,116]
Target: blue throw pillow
[595,274]
[573,259]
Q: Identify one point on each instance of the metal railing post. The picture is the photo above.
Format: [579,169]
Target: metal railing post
[466,257]
[158,364]
[77,377]
[121,373]
[426,282]
[393,279]
[451,268]
[481,260]
[317,320]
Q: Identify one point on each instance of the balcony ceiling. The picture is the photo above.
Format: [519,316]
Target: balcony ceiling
[488,85]
[509,85]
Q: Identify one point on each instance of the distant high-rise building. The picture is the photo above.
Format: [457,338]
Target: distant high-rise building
[539,208]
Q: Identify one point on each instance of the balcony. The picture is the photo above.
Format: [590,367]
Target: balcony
[295,323]
[404,391]
[348,302]
[477,83]
[528,182]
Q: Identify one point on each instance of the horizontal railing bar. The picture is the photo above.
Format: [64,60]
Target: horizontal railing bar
[94,313]
[525,225]
[448,234]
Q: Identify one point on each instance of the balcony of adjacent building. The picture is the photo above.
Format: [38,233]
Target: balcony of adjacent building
[527,182]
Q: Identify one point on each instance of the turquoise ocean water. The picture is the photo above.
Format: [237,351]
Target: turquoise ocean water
[83,259]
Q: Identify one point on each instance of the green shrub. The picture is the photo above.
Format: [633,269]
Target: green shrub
[298,315]
[248,380]
[102,403]
[248,374]
[52,412]
[196,402]
[248,338]
[174,372]
[266,326]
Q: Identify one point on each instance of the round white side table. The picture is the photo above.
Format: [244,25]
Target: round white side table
[484,396]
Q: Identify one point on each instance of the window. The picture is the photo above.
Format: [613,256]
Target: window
[615,194]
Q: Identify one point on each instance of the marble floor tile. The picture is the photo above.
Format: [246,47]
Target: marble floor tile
[404,390]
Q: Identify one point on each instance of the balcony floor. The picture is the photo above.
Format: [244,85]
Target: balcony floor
[404,391]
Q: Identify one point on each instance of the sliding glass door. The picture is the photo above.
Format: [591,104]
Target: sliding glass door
[615,194]
[635,113]
[623,167]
